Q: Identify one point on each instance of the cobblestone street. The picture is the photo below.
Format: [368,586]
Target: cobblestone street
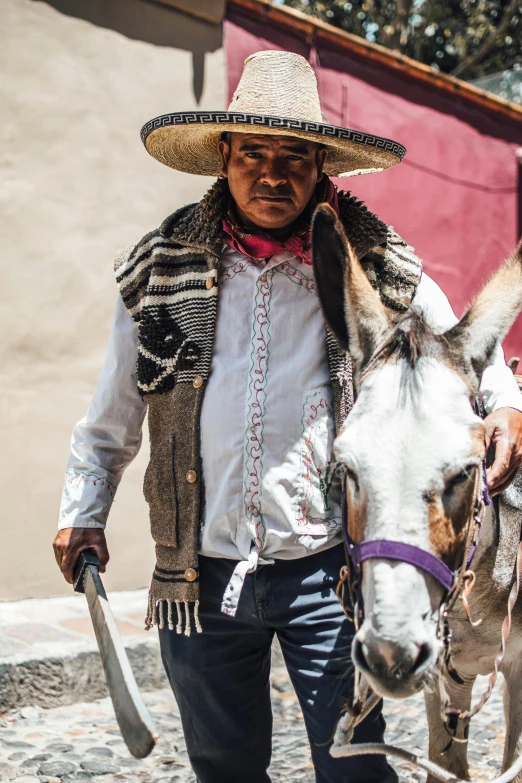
[82,744]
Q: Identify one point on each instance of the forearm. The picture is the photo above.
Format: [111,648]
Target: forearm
[87,495]
[108,438]
[498,388]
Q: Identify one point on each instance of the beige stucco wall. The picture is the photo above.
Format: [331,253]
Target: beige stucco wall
[76,185]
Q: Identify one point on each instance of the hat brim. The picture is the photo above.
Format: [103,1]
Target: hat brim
[188,141]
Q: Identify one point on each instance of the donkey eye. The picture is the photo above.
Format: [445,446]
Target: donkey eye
[459,478]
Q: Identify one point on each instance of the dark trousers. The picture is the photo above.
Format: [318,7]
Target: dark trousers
[220,677]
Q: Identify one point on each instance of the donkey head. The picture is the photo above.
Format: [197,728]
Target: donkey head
[411,446]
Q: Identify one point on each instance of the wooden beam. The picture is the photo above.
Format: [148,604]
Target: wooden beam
[316,32]
[211,11]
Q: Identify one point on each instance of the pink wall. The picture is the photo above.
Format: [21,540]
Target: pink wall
[454,197]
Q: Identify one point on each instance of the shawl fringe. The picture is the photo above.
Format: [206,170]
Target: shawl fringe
[161,612]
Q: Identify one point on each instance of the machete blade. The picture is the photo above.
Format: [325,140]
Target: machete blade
[135,723]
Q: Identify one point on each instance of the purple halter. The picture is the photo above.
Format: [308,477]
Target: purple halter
[406,553]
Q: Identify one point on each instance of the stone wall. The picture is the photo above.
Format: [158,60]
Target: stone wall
[78,82]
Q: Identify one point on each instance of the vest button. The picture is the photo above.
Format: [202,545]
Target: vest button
[210,283]
[198,382]
[191,476]
[190,575]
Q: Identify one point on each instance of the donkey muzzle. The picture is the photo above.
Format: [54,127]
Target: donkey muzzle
[395,669]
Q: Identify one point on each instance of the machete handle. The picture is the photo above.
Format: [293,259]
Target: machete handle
[87,558]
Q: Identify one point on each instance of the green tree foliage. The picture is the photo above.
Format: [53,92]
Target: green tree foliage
[467,38]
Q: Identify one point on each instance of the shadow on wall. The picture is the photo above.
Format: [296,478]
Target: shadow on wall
[155,24]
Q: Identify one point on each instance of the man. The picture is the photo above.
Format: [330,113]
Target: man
[243,405]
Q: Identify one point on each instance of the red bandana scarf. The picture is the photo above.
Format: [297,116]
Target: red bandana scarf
[261,245]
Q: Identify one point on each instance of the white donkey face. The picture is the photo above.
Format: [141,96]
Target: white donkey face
[412,446]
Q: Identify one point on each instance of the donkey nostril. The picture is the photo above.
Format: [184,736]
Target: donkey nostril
[381,658]
[423,656]
[358,655]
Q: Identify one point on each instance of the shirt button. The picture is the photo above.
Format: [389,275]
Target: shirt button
[190,575]
[263,277]
[197,382]
[191,476]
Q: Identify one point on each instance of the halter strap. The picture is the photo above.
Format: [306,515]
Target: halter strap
[406,553]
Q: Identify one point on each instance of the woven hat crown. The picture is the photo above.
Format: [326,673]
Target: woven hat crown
[279,84]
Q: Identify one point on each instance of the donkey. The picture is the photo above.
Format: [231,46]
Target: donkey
[412,450]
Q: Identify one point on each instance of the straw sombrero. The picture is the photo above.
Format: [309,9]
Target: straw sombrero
[277,95]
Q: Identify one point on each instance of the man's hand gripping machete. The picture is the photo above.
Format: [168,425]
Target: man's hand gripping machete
[133,718]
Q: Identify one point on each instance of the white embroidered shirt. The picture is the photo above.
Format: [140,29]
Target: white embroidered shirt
[266,424]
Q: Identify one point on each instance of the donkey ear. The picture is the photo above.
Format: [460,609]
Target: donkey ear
[473,340]
[350,305]
[329,260]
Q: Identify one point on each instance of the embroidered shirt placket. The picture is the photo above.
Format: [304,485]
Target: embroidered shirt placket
[253,466]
